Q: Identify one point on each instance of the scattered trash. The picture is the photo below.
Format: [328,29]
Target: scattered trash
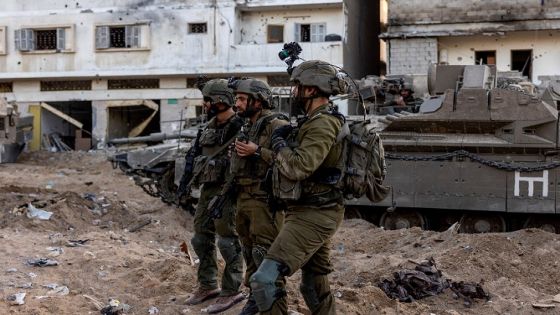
[338,294]
[50,286]
[63,290]
[55,251]
[153,310]
[426,280]
[76,243]
[42,262]
[11,270]
[115,307]
[33,212]
[89,255]
[16,299]
[340,249]
[32,275]
[543,305]
[50,184]
[27,285]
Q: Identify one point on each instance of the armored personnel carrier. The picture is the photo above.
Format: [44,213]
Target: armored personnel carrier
[152,166]
[483,156]
[15,131]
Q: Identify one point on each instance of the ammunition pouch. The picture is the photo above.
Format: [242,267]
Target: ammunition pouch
[210,171]
[285,188]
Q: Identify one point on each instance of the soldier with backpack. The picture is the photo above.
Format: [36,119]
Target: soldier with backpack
[257,224]
[307,170]
[210,168]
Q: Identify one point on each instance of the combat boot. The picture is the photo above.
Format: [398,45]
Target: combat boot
[250,307]
[201,295]
[225,302]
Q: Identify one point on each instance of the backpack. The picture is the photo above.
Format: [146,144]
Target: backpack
[363,161]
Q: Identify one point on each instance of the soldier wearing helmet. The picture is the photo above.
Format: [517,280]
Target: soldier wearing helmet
[307,159]
[210,173]
[256,223]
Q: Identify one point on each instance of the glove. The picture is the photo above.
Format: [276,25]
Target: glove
[216,206]
[282,131]
[279,137]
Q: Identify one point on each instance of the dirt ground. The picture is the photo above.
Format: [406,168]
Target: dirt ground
[142,266]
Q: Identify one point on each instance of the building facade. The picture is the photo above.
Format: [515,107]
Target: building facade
[121,68]
[511,34]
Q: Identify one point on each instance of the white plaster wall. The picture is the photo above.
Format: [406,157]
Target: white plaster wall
[545,46]
[253,26]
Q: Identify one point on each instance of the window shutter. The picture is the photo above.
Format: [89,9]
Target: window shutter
[102,37]
[132,36]
[17,36]
[60,38]
[24,40]
[318,31]
[297,32]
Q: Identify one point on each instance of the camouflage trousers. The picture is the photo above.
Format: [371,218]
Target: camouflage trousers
[204,244]
[257,229]
[304,243]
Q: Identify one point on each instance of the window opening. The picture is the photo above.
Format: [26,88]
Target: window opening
[485,57]
[522,61]
[198,28]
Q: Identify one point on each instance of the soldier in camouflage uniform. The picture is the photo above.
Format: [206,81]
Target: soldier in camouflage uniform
[257,224]
[210,172]
[307,160]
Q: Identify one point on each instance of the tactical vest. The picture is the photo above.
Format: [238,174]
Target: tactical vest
[321,187]
[212,165]
[252,170]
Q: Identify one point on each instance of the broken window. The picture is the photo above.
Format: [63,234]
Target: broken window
[522,61]
[275,34]
[485,57]
[133,84]
[6,87]
[198,28]
[314,32]
[2,124]
[120,36]
[66,85]
[28,39]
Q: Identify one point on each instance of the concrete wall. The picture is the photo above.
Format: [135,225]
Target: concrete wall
[412,56]
[545,46]
[253,24]
[471,11]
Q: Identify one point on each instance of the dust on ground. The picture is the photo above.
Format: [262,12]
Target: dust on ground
[131,251]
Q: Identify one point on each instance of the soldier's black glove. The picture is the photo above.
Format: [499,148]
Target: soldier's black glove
[216,206]
[279,136]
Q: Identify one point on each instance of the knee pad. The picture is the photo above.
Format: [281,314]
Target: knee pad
[263,284]
[202,243]
[258,252]
[229,247]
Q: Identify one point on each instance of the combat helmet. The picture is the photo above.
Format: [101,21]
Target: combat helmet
[217,91]
[320,74]
[257,89]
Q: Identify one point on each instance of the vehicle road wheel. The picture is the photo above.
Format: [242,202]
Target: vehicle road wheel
[166,185]
[544,223]
[402,219]
[482,223]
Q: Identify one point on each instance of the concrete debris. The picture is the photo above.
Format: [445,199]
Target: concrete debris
[42,262]
[17,299]
[33,212]
[153,310]
[76,243]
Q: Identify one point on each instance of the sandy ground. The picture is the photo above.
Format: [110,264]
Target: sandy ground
[145,268]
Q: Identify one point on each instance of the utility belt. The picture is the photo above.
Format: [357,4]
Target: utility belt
[249,185]
[319,189]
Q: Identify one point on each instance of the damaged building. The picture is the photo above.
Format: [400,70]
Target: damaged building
[97,70]
[514,35]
